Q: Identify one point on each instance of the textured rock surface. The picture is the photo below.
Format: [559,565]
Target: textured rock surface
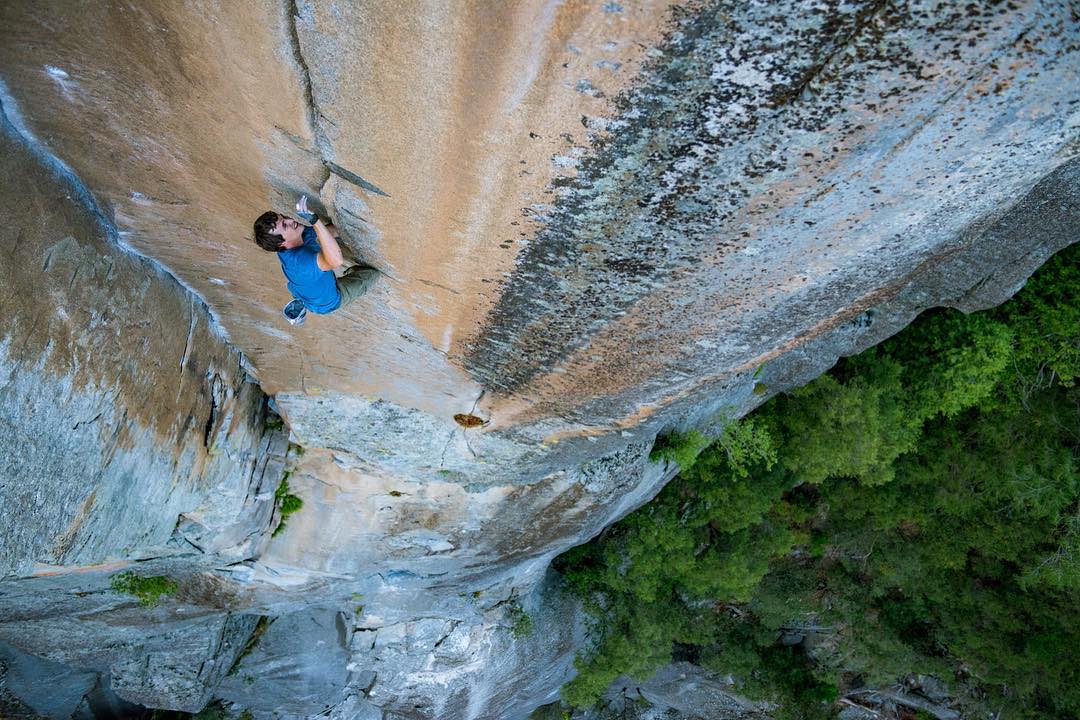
[596,220]
[306,652]
[680,691]
[129,433]
[120,410]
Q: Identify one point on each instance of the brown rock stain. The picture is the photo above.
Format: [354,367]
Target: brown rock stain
[66,538]
[456,115]
[106,567]
[185,135]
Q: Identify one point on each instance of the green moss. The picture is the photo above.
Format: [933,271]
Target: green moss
[148,589]
[287,503]
[253,640]
[521,623]
[290,504]
[680,447]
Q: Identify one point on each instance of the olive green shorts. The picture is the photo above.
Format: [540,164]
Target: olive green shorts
[354,282]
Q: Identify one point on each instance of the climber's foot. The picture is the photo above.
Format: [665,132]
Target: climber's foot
[295,312]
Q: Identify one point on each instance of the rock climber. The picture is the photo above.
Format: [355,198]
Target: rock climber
[309,255]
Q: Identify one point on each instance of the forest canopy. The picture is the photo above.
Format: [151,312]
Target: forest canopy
[912,513]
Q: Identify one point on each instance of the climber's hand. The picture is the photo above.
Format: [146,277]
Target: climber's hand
[306,215]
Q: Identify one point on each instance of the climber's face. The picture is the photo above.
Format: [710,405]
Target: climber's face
[289,230]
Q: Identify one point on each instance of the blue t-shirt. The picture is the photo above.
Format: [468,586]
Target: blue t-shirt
[314,287]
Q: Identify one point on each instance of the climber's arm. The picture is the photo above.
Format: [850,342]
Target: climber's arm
[330,258]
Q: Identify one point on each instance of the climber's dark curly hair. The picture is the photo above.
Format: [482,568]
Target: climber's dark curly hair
[264,236]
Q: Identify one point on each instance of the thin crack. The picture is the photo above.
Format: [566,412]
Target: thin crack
[350,176]
[862,18]
[453,626]
[468,445]
[442,460]
[316,116]
[88,422]
[321,141]
[361,218]
[479,397]
[187,347]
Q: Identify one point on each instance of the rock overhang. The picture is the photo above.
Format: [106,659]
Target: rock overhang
[747,188]
[577,216]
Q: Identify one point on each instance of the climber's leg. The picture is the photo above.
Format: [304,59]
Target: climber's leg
[356,281]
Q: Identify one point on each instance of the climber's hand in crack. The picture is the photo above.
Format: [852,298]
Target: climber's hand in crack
[310,217]
[306,215]
[330,257]
[308,256]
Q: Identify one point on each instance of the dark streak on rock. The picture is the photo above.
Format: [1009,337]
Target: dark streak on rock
[621,201]
[352,177]
[783,96]
[657,195]
[216,399]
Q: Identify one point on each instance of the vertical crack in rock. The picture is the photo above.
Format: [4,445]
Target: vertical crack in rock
[323,147]
[315,116]
[450,631]
[322,143]
[187,347]
[217,398]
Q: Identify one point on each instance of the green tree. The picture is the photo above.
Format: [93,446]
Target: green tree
[916,510]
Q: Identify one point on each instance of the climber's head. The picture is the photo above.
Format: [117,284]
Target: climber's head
[275,232]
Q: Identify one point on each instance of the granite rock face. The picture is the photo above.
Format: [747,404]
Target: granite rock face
[596,221]
[122,411]
[133,441]
[679,691]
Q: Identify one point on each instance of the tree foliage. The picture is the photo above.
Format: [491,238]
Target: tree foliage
[914,511]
